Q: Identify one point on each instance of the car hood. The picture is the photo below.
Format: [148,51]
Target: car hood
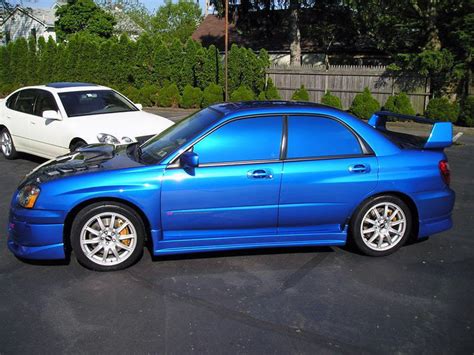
[124,124]
[88,159]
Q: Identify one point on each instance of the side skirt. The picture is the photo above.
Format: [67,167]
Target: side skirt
[161,247]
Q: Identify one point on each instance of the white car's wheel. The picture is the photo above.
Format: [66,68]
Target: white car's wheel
[6,141]
[76,145]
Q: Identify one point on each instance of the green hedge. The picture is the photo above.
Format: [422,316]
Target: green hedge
[270,92]
[331,100]
[125,64]
[467,112]
[169,96]
[399,103]
[242,93]
[364,105]
[192,97]
[441,109]
[212,94]
[301,94]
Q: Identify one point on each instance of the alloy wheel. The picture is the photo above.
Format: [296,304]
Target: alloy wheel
[383,226]
[108,238]
[6,143]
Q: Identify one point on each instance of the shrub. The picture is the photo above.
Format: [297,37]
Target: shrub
[148,95]
[169,96]
[399,103]
[271,92]
[212,95]
[242,93]
[262,96]
[364,105]
[301,94]
[192,97]
[440,109]
[331,100]
[7,89]
[467,112]
[131,93]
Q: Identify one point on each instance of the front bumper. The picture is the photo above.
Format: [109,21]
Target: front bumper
[36,234]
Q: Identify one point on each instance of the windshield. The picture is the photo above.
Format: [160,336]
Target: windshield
[93,102]
[175,137]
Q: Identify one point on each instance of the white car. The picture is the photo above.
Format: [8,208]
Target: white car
[54,119]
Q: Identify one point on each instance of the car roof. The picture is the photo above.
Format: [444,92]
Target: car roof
[233,109]
[66,87]
[68,84]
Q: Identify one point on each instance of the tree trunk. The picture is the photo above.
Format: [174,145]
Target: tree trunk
[295,36]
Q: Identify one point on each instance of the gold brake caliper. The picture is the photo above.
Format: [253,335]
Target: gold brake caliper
[124,231]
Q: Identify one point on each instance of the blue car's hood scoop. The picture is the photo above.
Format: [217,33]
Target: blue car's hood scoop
[89,158]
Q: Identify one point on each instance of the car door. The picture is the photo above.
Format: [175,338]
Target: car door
[18,111]
[47,135]
[234,191]
[328,171]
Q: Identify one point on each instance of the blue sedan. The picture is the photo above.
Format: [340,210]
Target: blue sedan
[235,176]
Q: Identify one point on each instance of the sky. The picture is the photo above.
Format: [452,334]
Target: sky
[150,4]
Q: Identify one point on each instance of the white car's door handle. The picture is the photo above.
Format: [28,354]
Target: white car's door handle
[9,117]
[32,122]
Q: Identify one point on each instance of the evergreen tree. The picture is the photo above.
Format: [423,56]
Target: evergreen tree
[83,15]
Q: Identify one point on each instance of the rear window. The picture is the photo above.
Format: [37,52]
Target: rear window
[313,137]
[11,101]
[26,101]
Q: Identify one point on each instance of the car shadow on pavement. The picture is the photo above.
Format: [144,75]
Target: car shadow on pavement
[241,252]
[32,158]
[33,262]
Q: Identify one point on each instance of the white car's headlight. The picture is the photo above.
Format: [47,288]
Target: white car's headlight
[127,140]
[107,138]
[28,195]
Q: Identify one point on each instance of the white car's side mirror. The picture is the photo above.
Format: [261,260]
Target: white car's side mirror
[52,115]
[139,106]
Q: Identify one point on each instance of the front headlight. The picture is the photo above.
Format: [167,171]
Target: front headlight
[107,138]
[28,195]
[127,140]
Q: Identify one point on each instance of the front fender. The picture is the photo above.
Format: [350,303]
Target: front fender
[140,187]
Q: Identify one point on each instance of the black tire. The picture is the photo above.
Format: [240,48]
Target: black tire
[76,145]
[9,152]
[362,244]
[86,215]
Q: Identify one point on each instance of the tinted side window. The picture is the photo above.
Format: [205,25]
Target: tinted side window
[242,140]
[44,102]
[310,136]
[26,101]
[11,101]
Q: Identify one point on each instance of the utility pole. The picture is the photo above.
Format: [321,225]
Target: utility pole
[226,50]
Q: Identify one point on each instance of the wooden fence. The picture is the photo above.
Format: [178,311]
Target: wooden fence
[346,81]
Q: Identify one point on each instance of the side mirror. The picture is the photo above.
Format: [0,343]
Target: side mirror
[189,160]
[139,106]
[51,115]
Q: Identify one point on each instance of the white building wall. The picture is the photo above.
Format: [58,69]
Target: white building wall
[20,25]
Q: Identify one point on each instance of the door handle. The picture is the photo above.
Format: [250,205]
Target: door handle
[359,168]
[260,174]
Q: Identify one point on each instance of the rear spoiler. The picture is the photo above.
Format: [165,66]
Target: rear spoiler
[441,135]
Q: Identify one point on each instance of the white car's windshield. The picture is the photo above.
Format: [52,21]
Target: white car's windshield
[93,102]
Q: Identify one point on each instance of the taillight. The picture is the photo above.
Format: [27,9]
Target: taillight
[445,172]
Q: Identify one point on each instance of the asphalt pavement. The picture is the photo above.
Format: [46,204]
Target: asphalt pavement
[306,300]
